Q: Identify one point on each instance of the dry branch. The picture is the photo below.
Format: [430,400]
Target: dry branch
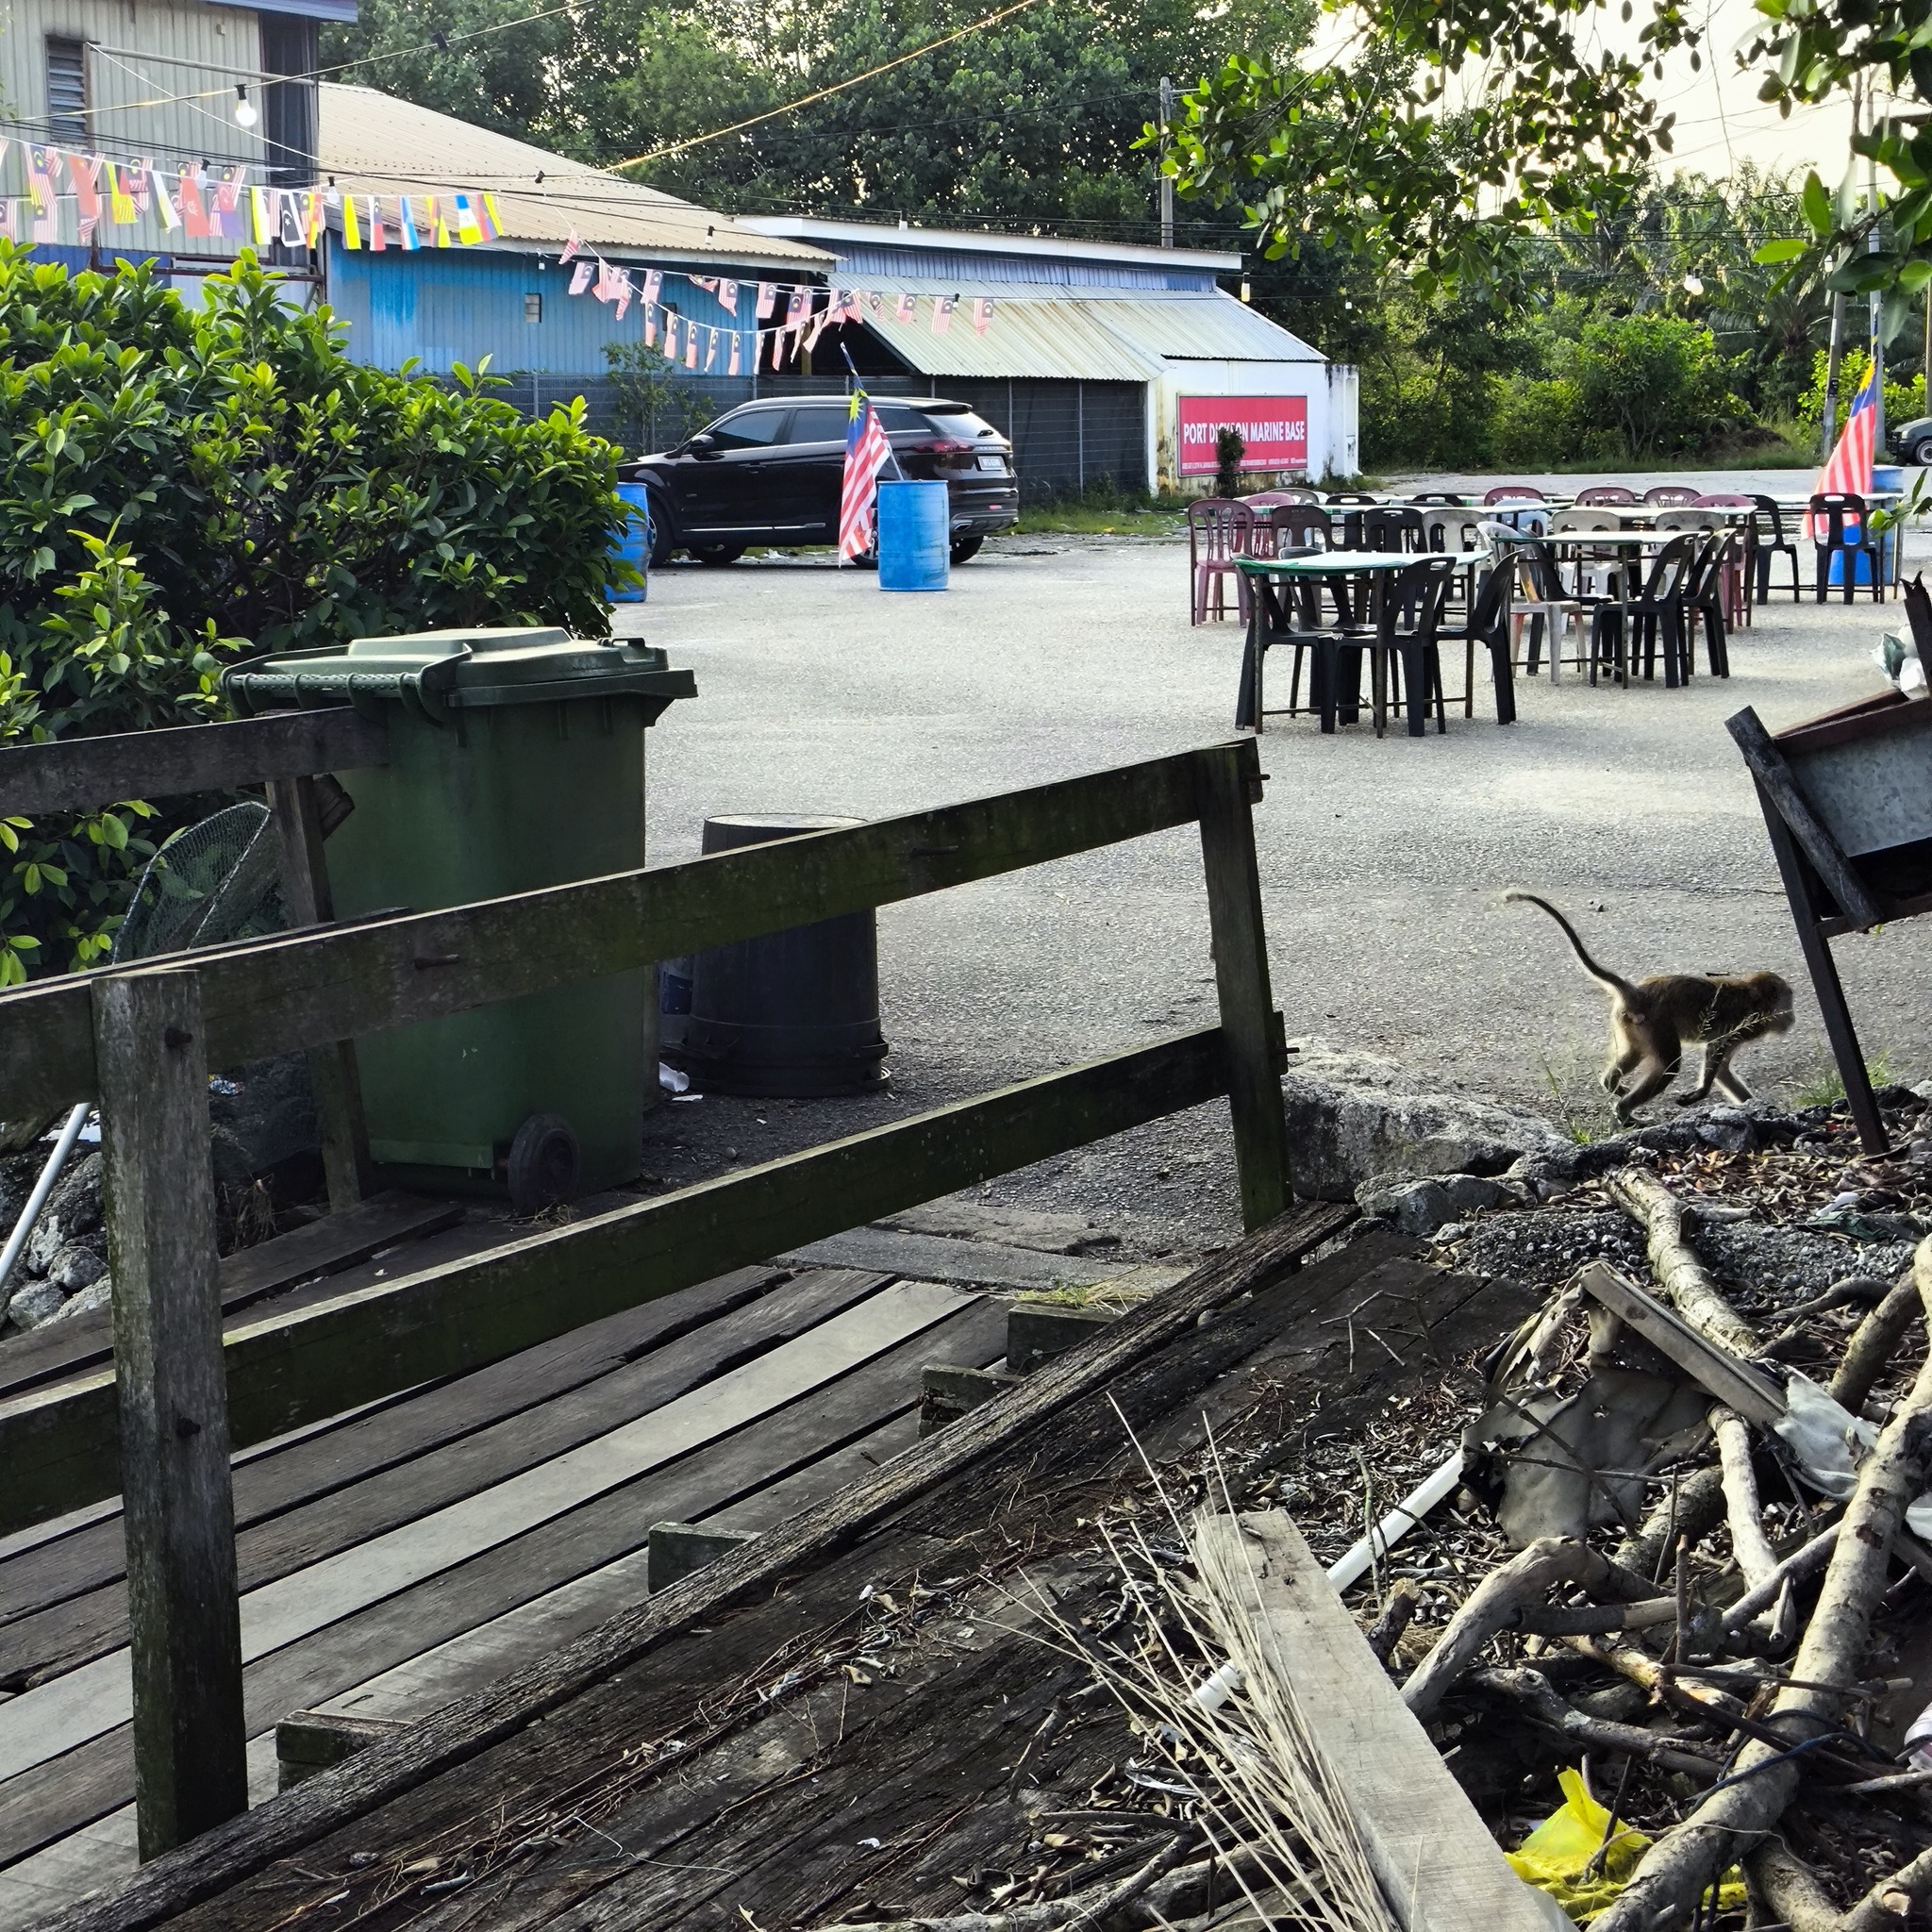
[1885,1908]
[1789,1890]
[1537,1695]
[1501,1602]
[1682,1864]
[1691,1508]
[1876,1340]
[1685,1280]
[1385,1633]
[1744,1512]
[1805,1560]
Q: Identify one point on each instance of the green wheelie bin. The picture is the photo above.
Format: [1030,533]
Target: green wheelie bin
[516,760]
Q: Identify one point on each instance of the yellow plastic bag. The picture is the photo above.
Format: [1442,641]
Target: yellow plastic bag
[1556,1856]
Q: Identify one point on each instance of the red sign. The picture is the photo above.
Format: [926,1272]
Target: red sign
[1274,428]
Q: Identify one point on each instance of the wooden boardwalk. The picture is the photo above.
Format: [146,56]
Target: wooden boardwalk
[400,1555]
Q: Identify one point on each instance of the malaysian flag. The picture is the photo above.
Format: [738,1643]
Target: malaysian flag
[1850,467]
[867,453]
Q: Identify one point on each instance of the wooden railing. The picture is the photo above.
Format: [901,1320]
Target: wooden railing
[142,1040]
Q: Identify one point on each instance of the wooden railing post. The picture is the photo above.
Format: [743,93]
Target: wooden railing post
[1230,782]
[332,1072]
[190,1763]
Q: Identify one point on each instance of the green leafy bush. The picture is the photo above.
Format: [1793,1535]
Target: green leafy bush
[1658,379]
[180,486]
[1902,400]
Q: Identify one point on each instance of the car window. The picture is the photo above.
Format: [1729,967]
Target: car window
[897,416]
[755,427]
[818,422]
[959,422]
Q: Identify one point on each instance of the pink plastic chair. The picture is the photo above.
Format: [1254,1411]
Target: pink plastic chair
[1608,494]
[1218,533]
[1670,496]
[1515,492]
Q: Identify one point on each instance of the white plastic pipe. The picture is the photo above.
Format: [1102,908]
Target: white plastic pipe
[24,1227]
[1398,1521]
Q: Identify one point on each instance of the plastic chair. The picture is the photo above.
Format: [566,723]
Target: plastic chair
[1488,623]
[1741,558]
[1351,496]
[1394,527]
[1219,531]
[1670,496]
[1599,573]
[1607,492]
[1845,522]
[1515,492]
[1688,517]
[1650,617]
[1543,604]
[1439,496]
[1703,597]
[1771,540]
[1269,499]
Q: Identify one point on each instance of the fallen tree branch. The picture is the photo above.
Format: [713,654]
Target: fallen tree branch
[1876,1340]
[1501,1600]
[1682,1864]
[1788,1890]
[1693,1508]
[1537,1695]
[1805,1560]
[1385,1633]
[1750,1547]
[1886,1906]
[1685,1280]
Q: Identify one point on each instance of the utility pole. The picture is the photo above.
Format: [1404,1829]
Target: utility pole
[1829,434]
[1166,179]
[1878,308]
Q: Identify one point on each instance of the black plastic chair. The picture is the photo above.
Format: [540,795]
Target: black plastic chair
[1703,597]
[1839,509]
[1487,622]
[1396,527]
[1445,499]
[1771,540]
[1404,660]
[1653,616]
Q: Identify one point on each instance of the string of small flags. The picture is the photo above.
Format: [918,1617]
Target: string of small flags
[204,205]
[701,345]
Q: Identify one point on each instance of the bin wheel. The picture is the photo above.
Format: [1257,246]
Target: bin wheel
[543,1164]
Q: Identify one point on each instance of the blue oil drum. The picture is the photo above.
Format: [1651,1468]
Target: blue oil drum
[915,543]
[633,547]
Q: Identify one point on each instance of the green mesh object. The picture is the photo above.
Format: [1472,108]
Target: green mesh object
[211,882]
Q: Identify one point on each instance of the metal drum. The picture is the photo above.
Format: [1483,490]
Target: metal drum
[794,1015]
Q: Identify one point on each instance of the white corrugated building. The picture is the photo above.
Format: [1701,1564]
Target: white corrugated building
[1101,359]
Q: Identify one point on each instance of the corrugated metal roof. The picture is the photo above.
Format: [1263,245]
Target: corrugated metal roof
[372,144]
[987,243]
[1097,338]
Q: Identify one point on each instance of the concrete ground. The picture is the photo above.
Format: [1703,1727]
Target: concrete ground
[1383,861]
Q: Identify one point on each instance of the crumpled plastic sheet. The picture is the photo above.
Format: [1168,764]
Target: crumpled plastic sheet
[1828,1444]
[1556,1857]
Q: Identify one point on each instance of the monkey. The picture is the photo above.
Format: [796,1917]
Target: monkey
[1652,1020]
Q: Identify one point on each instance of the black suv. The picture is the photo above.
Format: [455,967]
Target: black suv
[772,471]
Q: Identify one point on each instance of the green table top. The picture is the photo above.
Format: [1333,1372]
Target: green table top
[1319,563]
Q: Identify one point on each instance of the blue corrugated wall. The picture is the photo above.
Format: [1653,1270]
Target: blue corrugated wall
[443,306]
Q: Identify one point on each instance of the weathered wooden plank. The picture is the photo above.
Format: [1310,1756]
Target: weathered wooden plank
[84,1626]
[434,1641]
[324,1247]
[284,1476]
[307,990]
[1732,1380]
[332,1071]
[1438,1865]
[244,1846]
[81,774]
[191,1770]
[57,1445]
[1228,786]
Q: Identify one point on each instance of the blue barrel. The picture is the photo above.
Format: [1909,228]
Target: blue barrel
[633,546]
[915,543]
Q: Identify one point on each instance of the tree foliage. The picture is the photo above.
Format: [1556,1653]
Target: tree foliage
[179,484]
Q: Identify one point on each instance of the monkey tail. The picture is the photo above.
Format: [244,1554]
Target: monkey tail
[1600,974]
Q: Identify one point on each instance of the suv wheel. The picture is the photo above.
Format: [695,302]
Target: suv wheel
[719,555]
[1921,452]
[966,549]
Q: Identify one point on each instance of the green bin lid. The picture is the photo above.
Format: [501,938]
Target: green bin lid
[436,673]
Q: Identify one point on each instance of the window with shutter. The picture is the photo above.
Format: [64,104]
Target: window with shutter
[67,92]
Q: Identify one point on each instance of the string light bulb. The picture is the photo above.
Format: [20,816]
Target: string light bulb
[246,115]
[1694,284]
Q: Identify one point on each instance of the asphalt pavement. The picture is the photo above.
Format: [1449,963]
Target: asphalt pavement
[1383,861]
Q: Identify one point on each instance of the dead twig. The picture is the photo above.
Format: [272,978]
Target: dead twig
[1750,1547]
[1885,1908]
[1385,1633]
[1876,1340]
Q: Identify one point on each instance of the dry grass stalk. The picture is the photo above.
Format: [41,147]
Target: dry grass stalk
[1269,1802]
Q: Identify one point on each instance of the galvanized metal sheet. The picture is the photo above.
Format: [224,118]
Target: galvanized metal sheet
[1874,793]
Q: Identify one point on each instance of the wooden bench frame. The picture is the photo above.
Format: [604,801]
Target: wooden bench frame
[144,1039]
